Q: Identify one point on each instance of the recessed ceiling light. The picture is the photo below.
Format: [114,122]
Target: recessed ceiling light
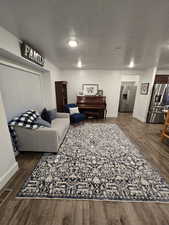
[72,43]
[79,64]
[131,65]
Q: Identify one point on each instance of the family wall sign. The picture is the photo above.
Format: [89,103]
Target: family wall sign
[31,54]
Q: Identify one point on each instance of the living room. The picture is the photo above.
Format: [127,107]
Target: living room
[116,160]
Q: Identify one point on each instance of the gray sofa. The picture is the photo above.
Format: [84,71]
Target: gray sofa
[44,139]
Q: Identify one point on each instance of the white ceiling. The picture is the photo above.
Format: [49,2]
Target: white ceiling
[110,32]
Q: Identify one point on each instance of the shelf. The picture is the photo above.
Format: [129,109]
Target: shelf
[19,61]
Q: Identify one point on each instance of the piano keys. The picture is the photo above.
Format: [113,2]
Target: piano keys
[94,106]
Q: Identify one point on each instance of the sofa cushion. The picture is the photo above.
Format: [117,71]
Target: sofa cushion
[52,114]
[45,115]
[42,122]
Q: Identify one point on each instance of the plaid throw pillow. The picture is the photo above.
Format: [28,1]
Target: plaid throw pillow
[24,120]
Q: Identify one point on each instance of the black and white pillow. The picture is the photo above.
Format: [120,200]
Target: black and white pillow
[26,120]
[29,115]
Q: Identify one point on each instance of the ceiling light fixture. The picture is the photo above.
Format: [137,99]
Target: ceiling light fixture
[79,64]
[132,64]
[72,43]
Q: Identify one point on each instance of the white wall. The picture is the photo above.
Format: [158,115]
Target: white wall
[109,81]
[8,164]
[142,101]
[54,76]
[11,43]
[163,72]
[25,91]
[131,78]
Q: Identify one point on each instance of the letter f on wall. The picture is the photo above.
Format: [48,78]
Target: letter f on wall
[27,49]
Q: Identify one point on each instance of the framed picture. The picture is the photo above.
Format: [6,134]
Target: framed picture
[90,89]
[100,92]
[144,88]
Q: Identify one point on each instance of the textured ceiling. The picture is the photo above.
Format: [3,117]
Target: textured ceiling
[110,32]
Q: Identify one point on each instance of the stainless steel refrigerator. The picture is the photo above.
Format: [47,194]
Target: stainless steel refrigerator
[159,102]
[127,97]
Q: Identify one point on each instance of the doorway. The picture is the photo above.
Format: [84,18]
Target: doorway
[127,96]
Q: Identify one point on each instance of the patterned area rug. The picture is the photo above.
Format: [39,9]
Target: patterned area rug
[96,161]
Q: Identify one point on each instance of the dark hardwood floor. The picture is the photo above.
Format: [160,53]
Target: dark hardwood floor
[82,212]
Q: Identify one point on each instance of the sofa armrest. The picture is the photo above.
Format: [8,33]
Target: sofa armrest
[62,115]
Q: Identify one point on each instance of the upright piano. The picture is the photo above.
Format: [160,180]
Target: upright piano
[94,106]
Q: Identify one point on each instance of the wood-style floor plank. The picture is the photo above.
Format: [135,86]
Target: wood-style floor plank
[78,212]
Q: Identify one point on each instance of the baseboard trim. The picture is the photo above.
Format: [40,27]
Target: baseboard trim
[139,118]
[111,116]
[7,176]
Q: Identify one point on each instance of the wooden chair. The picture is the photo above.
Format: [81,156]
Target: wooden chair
[165,131]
